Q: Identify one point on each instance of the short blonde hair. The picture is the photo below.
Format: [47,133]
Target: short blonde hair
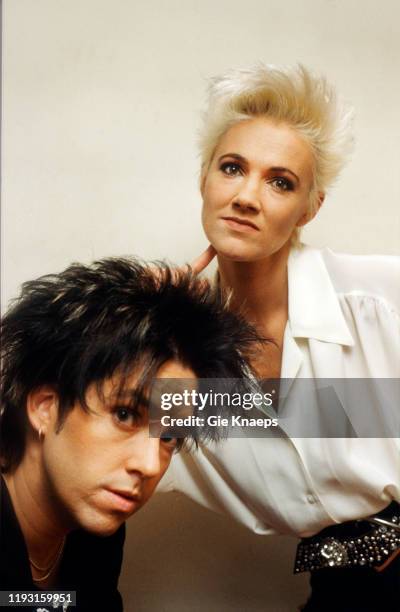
[293,95]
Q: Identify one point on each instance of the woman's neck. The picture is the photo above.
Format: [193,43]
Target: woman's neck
[34,509]
[259,287]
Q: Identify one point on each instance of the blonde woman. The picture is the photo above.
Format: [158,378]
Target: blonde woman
[273,142]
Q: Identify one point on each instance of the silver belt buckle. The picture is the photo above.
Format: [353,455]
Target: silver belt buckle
[333,553]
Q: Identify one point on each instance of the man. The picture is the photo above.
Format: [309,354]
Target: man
[79,350]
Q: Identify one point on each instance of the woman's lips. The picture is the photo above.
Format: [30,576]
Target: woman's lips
[124,502]
[240,225]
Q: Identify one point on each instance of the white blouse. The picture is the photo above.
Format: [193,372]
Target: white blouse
[344,322]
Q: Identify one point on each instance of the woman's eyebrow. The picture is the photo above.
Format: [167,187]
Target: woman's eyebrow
[283,169]
[234,155]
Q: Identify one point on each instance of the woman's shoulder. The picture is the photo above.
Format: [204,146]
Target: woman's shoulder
[373,276]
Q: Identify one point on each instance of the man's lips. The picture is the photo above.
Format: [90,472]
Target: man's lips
[122,500]
[241,225]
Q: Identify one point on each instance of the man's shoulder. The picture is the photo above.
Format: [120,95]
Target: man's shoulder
[92,566]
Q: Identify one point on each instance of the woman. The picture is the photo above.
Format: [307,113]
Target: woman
[273,142]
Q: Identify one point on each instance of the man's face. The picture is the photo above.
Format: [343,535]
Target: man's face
[102,466]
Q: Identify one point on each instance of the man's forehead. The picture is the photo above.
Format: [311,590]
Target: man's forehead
[122,388]
[131,386]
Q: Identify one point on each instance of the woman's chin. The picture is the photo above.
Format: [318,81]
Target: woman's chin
[236,248]
[246,251]
[236,253]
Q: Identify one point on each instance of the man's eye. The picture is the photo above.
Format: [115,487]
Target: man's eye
[126,416]
[169,440]
[282,184]
[231,169]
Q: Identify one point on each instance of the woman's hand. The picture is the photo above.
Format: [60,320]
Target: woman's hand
[196,267]
[202,261]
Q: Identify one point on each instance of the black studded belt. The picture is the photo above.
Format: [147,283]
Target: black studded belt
[368,542]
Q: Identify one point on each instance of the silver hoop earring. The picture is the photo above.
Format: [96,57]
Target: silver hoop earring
[40,432]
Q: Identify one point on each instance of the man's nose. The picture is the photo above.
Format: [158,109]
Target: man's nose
[247,198]
[144,456]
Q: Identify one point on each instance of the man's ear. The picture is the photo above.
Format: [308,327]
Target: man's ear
[310,214]
[42,408]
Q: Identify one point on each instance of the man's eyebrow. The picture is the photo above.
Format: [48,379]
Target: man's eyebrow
[273,169]
[131,394]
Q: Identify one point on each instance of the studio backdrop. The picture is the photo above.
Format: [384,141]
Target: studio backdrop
[100,112]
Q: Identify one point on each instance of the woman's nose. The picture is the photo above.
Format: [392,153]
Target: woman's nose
[247,198]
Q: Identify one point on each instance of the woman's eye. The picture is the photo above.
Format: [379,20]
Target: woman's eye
[282,184]
[231,169]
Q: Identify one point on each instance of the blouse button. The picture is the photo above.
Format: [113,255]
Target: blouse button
[311,498]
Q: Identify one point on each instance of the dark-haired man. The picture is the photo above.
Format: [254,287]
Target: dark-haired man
[79,350]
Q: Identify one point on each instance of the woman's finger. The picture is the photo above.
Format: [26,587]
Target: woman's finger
[196,267]
[201,262]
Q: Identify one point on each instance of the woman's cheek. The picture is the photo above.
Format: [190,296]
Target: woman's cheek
[207,222]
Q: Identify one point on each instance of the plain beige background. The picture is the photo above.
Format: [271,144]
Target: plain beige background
[100,111]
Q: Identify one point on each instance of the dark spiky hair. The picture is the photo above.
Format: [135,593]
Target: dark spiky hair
[81,326]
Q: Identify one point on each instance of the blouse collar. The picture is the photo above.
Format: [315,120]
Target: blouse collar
[314,309]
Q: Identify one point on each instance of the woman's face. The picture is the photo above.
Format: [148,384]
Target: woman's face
[256,190]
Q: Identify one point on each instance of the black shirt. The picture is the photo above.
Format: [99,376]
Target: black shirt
[90,564]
